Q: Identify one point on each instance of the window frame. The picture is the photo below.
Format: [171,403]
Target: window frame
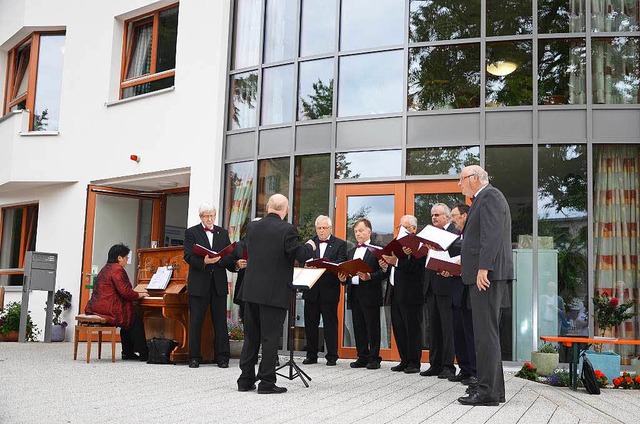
[127,50]
[24,235]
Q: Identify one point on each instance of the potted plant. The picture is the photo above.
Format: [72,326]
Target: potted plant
[61,302]
[236,338]
[545,359]
[10,324]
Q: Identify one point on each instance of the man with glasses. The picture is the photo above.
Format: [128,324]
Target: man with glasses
[487,267]
[323,297]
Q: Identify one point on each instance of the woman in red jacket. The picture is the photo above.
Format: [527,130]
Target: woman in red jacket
[113,298]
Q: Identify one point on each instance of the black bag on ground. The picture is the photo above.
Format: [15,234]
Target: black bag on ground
[588,376]
[160,350]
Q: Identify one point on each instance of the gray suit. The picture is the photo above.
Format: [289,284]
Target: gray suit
[486,244]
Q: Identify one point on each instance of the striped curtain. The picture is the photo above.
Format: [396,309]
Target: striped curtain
[616,208]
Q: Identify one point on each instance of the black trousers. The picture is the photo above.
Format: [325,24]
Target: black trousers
[463,338]
[262,326]
[366,328]
[197,311]
[133,339]
[441,351]
[329,312]
[407,328]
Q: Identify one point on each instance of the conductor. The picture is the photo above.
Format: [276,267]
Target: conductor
[272,245]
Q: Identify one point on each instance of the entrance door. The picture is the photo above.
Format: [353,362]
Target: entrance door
[383,204]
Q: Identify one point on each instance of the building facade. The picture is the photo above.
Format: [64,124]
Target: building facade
[351,108]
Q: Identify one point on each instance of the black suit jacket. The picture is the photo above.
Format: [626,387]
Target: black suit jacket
[440,285]
[238,254]
[327,288]
[369,292]
[272,247]
[201,277]
[408,280]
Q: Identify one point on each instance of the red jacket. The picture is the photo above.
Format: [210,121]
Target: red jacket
[113,296]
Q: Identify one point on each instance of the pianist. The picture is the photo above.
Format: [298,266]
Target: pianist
[113,298]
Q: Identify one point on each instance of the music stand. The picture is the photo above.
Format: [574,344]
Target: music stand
[294,370]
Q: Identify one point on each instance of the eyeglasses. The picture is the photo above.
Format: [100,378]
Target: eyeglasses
[322,228]
[208,216]
[466,176]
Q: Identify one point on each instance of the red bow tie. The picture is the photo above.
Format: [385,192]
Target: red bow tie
[360,245]
[210,230]
[473,198]
[323,241]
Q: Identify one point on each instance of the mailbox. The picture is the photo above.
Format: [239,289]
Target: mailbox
[39,274]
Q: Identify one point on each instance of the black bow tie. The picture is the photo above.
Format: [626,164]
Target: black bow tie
[210,230]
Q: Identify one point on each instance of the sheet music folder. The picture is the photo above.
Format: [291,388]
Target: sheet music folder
[437,237]
[305,278]
[349,268]
[203,251]
[441,261]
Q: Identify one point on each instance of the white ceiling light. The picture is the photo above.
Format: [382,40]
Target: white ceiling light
[501,68]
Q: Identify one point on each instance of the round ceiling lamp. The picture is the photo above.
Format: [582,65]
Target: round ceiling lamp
[501,68]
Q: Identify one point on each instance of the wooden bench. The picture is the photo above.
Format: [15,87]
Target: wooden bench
[573,342]
[89,324]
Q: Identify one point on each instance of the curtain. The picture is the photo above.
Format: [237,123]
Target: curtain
[140,55]
[616,208]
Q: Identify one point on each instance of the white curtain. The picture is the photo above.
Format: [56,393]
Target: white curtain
[140,57]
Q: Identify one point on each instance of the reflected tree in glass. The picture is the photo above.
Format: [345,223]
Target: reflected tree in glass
[433,20]
[562,71]
[49,83]
[320,103]
[441,160]
[315,89]
[509,17]
[342,167]
[244,93]
[444,77]
[372,164]
[273,177]
[311,192]
[616,70]
[558,16]
[516,88]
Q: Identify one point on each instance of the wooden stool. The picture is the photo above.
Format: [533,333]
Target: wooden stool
[89,324]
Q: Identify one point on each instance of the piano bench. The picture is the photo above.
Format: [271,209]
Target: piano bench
[88,325]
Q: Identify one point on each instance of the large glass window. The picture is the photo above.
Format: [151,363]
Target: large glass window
[277,95]
[509,17]
[370,84]
[280,27]
[444,77]
[238,198]
[19,66]
[509,74]
[17,236]
[311,192]
[562,72]
[555,16]
[318,27]
[382,163]
[434,20]
[441,160]
[273,177]
[616,70]
[246,33]
[315,89]
[366,23]
[614,16]
[242,104]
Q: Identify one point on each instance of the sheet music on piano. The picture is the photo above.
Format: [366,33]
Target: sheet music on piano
[161,278]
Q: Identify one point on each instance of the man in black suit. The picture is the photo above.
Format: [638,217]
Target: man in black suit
[324,296]
[207,286]
[272,247]
[438,299]
[405,277]
[364,298]
[487,267]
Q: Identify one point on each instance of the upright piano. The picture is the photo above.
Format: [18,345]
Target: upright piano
[166,312]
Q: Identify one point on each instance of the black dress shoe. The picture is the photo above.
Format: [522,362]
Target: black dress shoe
[411,370]
[470,381]
[459,377]
[308,361]
[272,389]
[502,399]
[194,363]
[130,357]
[223,364]
[331,362]
[431,372]
[471,389]
[374,365]
[474,399]
[446,373]
[399,367]
[246,388]
[358,364]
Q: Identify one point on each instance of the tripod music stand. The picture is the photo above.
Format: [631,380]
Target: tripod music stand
[294,370]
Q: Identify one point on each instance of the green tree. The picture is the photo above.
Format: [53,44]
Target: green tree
[320,104]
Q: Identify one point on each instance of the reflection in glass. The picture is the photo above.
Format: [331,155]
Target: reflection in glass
[148,87]
[246,33]
[49,83]
[444,77]
[244,94]
[176,219]
[17,98]
[562,72]
[441,160]
[509,17]
[516,88]
[434,20]
[280,28]
[167,39]
[273,177]
[238,200]
[366,23]
[370,84]
[310,192]
[381,163]
[315,89]
[615,70]
[555,16]
[562,245]
[318,27]
[277,95]
[614,16]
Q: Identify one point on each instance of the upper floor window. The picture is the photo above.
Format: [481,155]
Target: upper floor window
[149,52]
[18,227]
[34,80]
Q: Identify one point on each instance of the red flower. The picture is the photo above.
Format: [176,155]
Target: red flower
[528,365]
[628,380]
[613,302]
[599,374]
[637,379]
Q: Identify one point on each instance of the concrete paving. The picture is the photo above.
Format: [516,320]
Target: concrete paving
[41,383]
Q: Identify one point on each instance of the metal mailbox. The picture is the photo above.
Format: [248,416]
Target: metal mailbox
[39,274]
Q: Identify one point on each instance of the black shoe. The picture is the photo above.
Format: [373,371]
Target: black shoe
[474,399]
[246,388]
[194,363]
[308,361]
[470,381]
[431,372]
[272,389]
[224,364]
[411,370]
[399,367]
[471,389]
[331,362]
[374,365]
[502,399]
[446,373]
[459,377]
[358,364]
[130,357]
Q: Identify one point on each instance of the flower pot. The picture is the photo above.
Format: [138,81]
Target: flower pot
[235,348]
[58,333]
[607,362]
[11,336]
[545,363]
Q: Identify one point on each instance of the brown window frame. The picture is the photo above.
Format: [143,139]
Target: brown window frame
[26,232]
[127,50]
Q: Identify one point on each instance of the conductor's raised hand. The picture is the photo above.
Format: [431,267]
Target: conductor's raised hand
[311,243]
[209,260]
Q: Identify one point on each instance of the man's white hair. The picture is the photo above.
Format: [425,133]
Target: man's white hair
[206,207]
